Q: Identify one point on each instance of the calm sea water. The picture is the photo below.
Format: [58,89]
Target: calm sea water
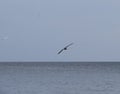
[60,78]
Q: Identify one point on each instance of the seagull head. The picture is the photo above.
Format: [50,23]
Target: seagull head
[65,48]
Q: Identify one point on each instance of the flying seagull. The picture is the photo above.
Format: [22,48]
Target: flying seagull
[65,48]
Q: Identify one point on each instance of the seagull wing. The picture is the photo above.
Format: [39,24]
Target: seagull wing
[60,51]
[69,45]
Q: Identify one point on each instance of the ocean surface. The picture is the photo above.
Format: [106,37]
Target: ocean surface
[60,78]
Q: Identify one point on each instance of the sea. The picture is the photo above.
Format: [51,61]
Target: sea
[59,77]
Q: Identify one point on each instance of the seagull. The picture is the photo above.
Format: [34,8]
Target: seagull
[65,48]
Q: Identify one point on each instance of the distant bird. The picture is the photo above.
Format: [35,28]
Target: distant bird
[65,48]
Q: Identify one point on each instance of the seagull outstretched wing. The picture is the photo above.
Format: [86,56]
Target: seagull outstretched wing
[60,51]
[68,45]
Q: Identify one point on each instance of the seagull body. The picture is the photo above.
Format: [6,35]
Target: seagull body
[65,48]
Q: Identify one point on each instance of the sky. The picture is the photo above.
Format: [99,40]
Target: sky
[35,30]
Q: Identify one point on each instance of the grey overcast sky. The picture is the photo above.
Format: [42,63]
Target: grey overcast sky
[35,30]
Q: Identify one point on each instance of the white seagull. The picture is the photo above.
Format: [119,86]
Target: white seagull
[65,48]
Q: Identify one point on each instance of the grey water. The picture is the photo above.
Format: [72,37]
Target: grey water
[59,78]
